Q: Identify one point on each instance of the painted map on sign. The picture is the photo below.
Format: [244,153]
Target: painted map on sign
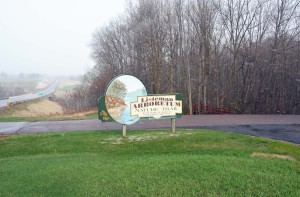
[121,91]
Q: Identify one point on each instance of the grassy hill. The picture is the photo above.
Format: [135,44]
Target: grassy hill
[148,163]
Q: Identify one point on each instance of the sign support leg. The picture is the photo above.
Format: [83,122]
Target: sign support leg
[173,125]
[124,130]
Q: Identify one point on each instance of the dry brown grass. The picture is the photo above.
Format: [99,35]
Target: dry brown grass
[273,156]
[44,107]
[3,136]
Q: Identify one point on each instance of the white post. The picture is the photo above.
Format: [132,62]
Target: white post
[124,130]
[173,125]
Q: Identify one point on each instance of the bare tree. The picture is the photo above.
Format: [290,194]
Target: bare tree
[223,53]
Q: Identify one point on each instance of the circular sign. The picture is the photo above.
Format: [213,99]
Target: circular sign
[120,92]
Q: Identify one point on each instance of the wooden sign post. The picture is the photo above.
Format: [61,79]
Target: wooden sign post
[124,130]
[173,125]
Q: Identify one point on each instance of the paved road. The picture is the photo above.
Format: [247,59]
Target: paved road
[31,96]
[281,127]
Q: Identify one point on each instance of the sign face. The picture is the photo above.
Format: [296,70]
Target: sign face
[157,106]
[122,91]
[126,101]
[103,114]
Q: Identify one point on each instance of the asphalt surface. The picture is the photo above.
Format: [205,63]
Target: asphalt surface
[279,127]
[31,96]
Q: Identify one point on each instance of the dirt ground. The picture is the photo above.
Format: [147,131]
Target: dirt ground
[44,107]
[3,136]
[47,107]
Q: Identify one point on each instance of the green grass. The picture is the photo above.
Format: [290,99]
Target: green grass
[92,116]
[147,163]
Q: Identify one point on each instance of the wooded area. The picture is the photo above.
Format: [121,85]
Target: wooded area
[240,54]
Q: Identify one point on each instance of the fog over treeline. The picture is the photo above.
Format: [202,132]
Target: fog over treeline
[26,83]
[243,55]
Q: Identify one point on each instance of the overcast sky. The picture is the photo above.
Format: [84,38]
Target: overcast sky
[51,36]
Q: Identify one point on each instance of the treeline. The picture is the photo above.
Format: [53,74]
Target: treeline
[244,55]
[14,85]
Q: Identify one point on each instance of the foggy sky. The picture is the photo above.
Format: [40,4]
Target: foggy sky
[51,36]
